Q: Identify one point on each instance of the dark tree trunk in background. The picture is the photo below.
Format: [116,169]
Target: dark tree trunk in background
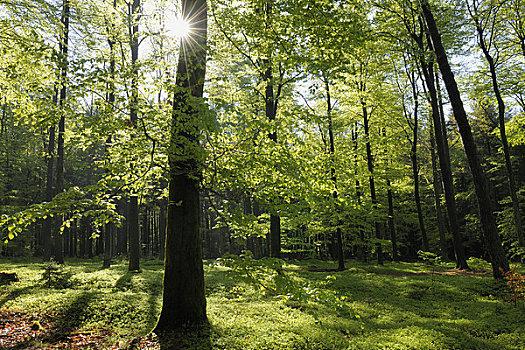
[184,301]
[162,228]
[108,243]
[123,229]
[391,225]
[498,258]
[134,237]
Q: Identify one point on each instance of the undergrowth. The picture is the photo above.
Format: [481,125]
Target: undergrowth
[268,304]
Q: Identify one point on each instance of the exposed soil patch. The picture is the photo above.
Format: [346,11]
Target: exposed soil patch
[19,330]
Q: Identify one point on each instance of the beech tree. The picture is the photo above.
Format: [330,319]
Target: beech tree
[184,301]
[499,261]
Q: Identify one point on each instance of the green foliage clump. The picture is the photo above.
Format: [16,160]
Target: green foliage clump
[56,276]
[478,264]
[429,257]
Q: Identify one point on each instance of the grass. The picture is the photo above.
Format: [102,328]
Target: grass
[398,306]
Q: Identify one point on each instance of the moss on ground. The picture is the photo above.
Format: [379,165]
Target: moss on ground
[396,306]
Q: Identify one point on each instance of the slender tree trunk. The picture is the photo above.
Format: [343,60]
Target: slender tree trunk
[415,169]
[184,301]
[64,38]
[271,113]
[391,225]
[370,162]
[110,228]
[133,226]
[48,223]
[362,238]
[498,259]
[438,192]
[338,236]
[275,221]
[503,135]
[162,228]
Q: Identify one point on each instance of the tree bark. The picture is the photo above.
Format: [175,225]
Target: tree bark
[184,300]
[499,261]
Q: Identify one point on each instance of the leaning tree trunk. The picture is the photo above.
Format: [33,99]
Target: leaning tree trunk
[442,148]
[490,231]
[184,301]
[501,119]
[446,171]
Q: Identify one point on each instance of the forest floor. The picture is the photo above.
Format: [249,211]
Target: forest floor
[395,306]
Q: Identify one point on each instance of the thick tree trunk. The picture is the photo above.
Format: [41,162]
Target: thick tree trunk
[498,259]
[184,300]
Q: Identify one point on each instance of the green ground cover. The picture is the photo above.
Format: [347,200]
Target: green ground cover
[397,306]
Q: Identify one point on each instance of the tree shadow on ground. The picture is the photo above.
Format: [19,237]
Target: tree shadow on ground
[15,294]
[67,321]
[190,338]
